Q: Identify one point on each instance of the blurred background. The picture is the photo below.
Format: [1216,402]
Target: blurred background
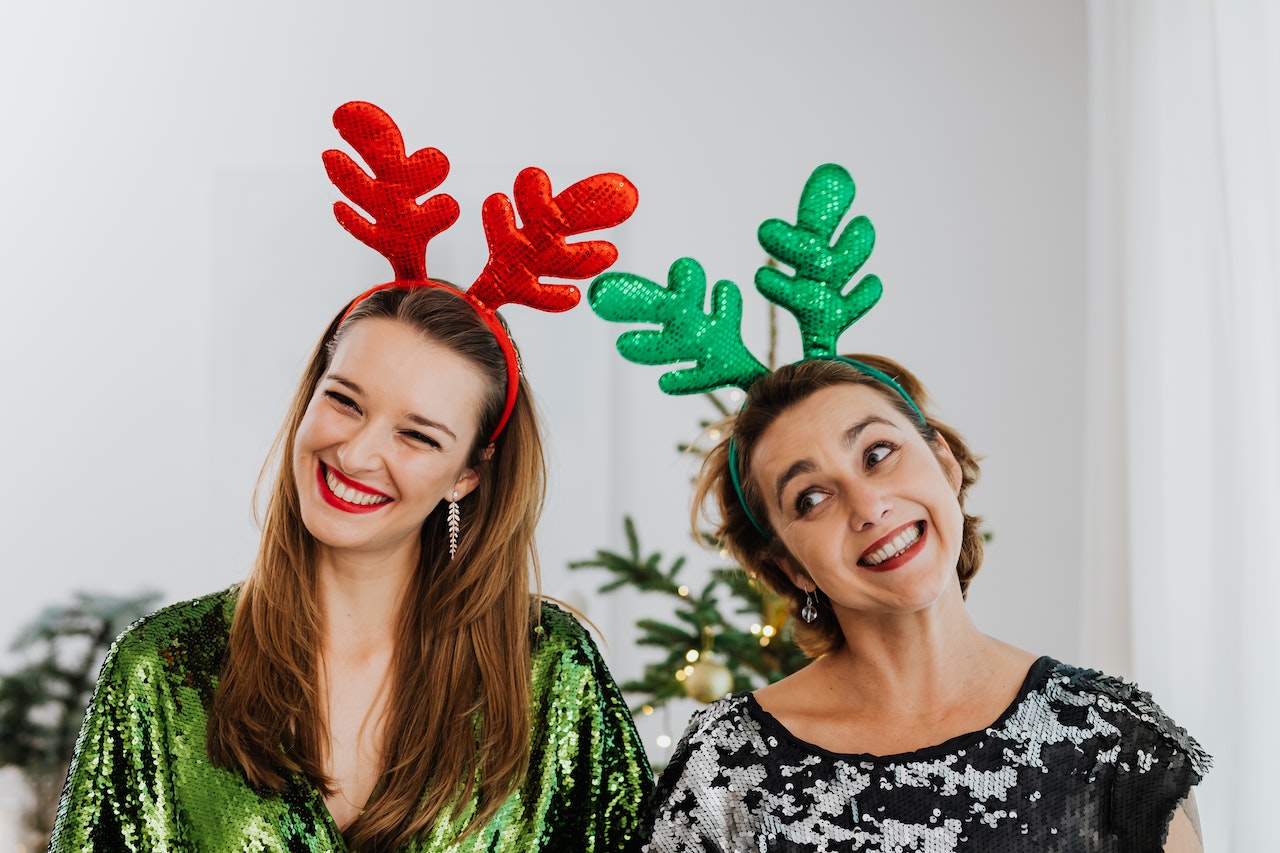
[1075,205]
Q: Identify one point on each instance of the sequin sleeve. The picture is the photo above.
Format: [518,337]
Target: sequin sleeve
[585,748]
[697,797]
[1158,763]
[119,791]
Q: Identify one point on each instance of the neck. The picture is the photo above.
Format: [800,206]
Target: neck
[915,659]
[361,595]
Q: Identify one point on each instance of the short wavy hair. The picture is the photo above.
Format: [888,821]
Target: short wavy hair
[716,501]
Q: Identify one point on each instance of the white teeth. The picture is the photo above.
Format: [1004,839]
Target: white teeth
[900,543]
[350,495]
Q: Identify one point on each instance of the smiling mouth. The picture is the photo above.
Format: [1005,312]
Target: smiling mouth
[895,547]
[346,494]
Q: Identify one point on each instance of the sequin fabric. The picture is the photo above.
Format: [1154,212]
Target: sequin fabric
[1079,762]
[141,781]
[815,294]
[824,264]
[401,227]
[519,253]
[712,341]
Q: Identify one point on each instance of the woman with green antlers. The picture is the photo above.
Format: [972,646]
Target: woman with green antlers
[837,488]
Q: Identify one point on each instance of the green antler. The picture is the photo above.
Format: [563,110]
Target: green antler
[712,341]
[822,268]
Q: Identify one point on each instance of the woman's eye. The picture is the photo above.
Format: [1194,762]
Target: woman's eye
[342,400]
[877,453]
[422,439]
[807,500]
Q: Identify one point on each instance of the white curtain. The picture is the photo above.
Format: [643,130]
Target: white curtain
[1183,420]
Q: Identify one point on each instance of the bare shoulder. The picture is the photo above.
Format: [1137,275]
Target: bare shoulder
[799,690]
[1012,657]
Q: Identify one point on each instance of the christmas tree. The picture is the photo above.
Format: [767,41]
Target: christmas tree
[731,635]
[43,702]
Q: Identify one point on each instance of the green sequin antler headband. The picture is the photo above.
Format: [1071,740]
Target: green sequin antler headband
[815,294]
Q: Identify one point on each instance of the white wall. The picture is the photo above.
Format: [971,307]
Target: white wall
[168,253]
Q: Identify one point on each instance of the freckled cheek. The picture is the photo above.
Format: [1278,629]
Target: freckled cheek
[815,546]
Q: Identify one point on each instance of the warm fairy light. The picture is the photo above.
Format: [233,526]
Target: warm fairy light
[688,671]
[714,435]
[769,630]
[764,641]
[755,629]
[735,395]
[691,655]
[680,676]
[683,592]
[724,553]
[663,741]
[647,710]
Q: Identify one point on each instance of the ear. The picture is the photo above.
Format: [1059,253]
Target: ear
[470,477]
[947,460]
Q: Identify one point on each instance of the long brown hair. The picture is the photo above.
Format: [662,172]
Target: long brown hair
[757,552]
[464,624]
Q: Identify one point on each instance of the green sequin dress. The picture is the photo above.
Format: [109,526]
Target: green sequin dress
[141,779]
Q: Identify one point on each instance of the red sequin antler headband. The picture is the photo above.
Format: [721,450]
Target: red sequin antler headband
[519,254]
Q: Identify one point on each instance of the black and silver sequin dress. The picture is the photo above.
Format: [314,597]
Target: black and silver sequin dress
[1079,762]
[142,781]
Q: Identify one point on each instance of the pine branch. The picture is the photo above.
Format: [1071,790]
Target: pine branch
[42,703]
[693,617]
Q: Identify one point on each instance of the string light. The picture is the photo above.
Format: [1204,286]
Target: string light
[769,630]
[683,592]
[663,741]
[691,655]
[755,629]
[647,710]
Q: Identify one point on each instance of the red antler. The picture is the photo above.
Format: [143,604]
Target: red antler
[401,227]
[519,255]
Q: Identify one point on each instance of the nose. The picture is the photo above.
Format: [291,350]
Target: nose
[361,450]
[868,505]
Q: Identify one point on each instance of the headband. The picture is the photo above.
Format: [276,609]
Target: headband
[519,255]
[815,294]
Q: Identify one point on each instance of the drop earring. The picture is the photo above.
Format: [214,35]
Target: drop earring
[808,613]
[455,522]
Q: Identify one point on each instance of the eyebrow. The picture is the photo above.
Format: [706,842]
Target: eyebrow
[410,416]
[804,466]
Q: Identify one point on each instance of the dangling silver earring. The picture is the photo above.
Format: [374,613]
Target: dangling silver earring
[809,612]
[455,522]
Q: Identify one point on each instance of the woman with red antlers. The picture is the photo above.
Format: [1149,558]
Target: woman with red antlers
[385,679]
[837,488]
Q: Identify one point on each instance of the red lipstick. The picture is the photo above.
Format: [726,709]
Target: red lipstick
[335,501]
[898,560]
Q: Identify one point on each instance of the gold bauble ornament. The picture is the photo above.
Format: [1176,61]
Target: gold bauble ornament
[707,681]
[775,609]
